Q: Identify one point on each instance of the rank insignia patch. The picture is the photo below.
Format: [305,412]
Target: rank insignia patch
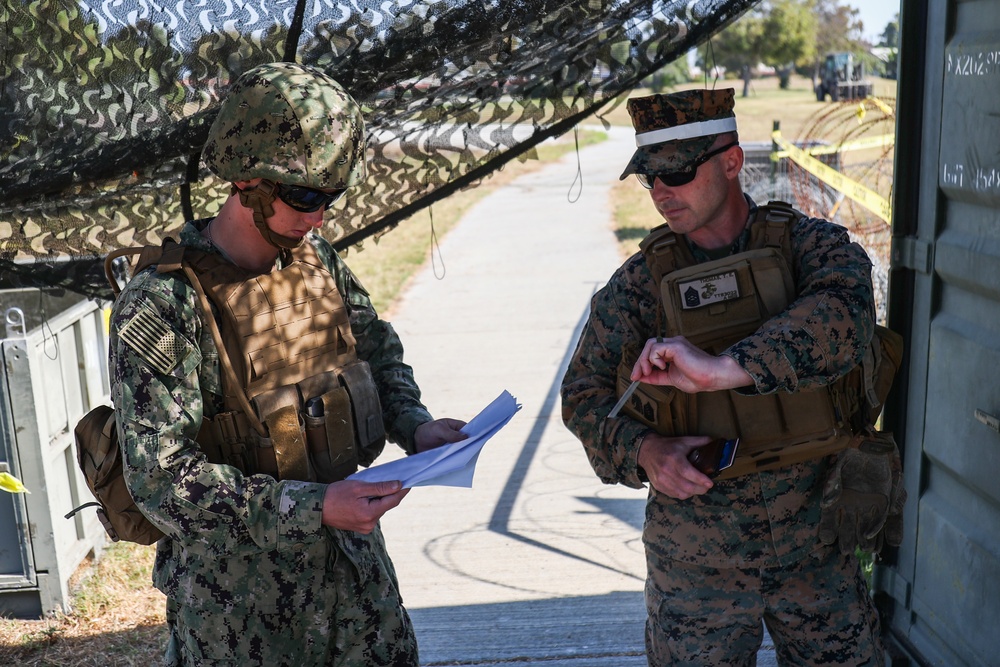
[711,289]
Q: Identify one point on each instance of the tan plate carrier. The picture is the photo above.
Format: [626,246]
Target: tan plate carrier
[715,304]
[298,403]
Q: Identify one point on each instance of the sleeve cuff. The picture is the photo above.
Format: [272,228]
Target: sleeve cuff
[630,436]
[768,377]
[405,426]
[300,512]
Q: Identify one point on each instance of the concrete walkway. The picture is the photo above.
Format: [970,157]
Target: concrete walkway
[539,563]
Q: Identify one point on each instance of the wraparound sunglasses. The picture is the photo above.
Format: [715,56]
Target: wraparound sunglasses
[677,178]
[306,199]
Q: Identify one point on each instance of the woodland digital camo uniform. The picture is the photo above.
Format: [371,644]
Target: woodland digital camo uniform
[250,574]
[758,528]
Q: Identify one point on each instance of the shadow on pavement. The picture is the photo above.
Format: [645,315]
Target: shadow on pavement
[605,630]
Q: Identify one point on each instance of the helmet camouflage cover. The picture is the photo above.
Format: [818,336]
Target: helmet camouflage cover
[290,124]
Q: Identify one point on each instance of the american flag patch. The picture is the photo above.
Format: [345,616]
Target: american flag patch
[153,340]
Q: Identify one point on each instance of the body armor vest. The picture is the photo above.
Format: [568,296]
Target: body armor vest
[298,403]
[715,304]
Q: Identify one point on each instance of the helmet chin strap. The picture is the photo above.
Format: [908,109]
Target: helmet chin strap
[259,200]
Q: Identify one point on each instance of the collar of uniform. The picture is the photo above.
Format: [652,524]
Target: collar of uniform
[191,235]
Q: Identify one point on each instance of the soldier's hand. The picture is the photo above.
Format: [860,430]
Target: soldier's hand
[357,506]
[678,363]
[438,432]
[666,463]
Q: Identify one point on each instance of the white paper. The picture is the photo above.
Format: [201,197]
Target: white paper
[452,464]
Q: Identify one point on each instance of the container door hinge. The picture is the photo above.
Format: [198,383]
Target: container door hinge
[892,582]
[909,252]
[988,419]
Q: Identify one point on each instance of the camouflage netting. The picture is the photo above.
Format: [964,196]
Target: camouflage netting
[105,105]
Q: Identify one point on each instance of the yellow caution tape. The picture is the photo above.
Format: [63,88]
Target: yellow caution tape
[863,143]
[886,109]
[870,199]
[11,484]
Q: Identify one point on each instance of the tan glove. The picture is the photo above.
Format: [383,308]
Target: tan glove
[863,499]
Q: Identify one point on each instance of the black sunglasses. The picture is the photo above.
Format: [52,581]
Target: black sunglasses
[676,178]
[306,199]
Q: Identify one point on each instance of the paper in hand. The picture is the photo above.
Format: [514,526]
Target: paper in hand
[452,464]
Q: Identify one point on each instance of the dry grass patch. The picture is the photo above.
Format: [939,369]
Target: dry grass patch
[117,618]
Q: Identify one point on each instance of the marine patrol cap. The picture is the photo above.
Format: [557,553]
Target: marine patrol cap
[291,124]
[674,130]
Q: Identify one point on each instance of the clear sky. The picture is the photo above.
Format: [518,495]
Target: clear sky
[875,14]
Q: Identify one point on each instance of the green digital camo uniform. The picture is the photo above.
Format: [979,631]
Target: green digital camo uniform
[748,548]
[250,574]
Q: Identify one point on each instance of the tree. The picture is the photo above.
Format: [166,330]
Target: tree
[890,34]
[791,27]
[779,33]
[889,42]
[737,48]
[669,75]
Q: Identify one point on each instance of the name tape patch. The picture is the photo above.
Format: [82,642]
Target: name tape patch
[710,289]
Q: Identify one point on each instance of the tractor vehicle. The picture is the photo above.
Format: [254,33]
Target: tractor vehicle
[843,79]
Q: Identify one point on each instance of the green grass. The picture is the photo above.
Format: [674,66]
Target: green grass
[117,618]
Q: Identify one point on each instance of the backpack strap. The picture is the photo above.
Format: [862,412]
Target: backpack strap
[170,257]
[771,228]
[175,259]
[170,252]
[109,271]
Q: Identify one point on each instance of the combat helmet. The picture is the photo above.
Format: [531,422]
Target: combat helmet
[290,124]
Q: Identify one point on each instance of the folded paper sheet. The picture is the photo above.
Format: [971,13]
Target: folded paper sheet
[449,465]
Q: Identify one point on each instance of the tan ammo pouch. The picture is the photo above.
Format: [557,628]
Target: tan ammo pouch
[662,408]
[343,418]
[224,438]
[329,427]
[228,437]
[775,430]
[282,454]
[330,435]
[718,303]
[366,408]
[322,428]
